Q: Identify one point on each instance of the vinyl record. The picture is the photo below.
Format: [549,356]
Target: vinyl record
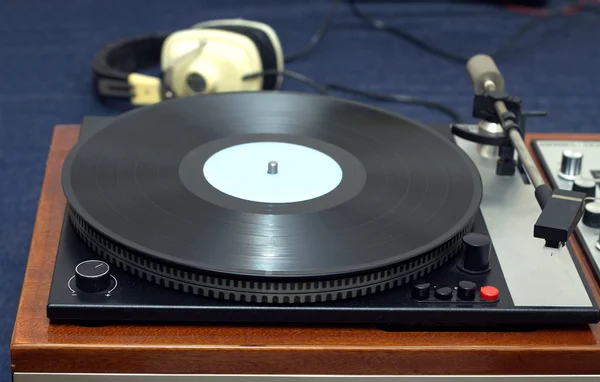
[271,197]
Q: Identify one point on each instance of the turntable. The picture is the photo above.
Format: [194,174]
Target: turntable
[293,208]
[252,222]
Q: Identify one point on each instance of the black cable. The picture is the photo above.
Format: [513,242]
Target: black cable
[291,74]
[317,37]
[449,56]
[382,26]
[406,99]
[324,90]
[522,30]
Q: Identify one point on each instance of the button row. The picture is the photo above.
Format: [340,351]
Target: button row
[465,291]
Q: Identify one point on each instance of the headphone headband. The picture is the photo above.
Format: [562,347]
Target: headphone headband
[115,63]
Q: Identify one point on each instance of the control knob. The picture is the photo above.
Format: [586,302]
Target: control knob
[477,252]
[598,244]
[92,276]
[585,185]
[591,215]
[570,165]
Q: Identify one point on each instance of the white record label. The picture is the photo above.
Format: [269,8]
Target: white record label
[298,173]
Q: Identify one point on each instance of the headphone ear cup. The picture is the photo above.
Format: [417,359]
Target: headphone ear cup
[222,58]
[265,40]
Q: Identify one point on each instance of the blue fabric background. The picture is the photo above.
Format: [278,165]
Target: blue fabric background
[46,48]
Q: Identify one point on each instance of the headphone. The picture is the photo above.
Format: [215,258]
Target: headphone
[212,56]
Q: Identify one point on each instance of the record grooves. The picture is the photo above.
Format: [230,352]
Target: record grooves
[406,197]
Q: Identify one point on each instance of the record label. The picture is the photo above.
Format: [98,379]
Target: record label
[272,172]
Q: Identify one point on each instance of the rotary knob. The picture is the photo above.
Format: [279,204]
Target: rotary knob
[570,165]
[477,252]
[591,215]
[585,185]
[92,276]
[598,244]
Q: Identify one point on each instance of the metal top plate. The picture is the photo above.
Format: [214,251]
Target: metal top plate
[535,275]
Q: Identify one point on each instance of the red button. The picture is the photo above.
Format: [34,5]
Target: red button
[488,293]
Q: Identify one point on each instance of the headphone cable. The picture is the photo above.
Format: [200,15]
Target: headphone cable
[456,58]
[324,90]
[382,26]
[317,36]
[399,98]
[291,74]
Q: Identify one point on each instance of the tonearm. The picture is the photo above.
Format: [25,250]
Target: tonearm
[561,209]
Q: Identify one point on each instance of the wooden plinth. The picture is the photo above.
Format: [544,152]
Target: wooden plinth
[38,346]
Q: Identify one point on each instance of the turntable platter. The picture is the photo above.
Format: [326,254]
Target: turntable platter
[271,197]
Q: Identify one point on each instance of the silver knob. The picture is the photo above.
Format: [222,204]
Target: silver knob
[591,215]
[586,185]
[570,166]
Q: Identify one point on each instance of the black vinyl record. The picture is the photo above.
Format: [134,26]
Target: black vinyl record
[139,195]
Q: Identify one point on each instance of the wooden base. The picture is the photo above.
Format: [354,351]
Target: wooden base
[38,346]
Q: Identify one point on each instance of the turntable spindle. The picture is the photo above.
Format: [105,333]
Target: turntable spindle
[273,167]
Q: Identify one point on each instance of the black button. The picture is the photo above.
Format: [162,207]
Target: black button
[466,290]
[443,293]
[420,291]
